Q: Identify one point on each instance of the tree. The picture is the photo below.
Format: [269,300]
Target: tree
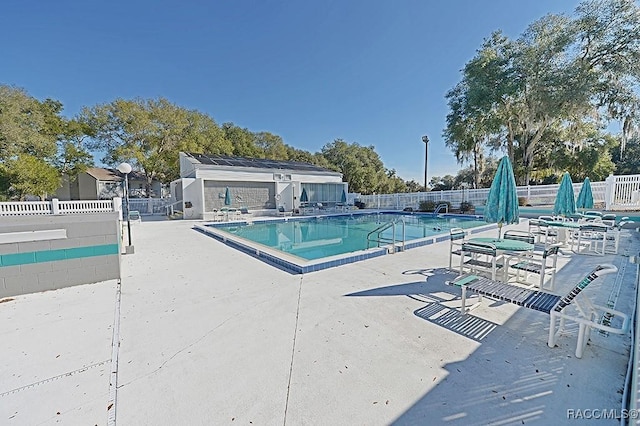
[271,146]
[608,41]
[443,183]
[28,175]
[393,183]
[560,74]
[629,164]
[360,166]
[472,120]
[24,125]
[242,141]
[28,133]
[150,134]
[73,158]
[413,186]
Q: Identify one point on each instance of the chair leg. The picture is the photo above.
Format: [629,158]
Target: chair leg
[464,300]
[553,280]
[541,283]
[552,331]
[583,338]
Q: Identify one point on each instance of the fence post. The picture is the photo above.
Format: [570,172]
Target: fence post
[55,207]
[609,191]
[117,206]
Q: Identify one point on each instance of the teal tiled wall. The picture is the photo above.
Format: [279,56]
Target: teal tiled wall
[26,258]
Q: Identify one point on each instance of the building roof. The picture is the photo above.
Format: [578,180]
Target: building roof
[104,174]
[261,163]
[111,175]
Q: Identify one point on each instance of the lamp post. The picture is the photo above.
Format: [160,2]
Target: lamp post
[425,139]
[125,168]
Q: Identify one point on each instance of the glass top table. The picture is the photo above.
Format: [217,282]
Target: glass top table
[562,224]
[504,244]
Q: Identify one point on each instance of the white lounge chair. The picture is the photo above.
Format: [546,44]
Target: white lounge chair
[574,306]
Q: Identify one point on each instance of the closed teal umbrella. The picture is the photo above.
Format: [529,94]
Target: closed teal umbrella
[585,197]
[565,204]
[502,202]
[343,199]
[227,197]
[304,198]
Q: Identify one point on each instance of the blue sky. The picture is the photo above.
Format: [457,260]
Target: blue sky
[366,71]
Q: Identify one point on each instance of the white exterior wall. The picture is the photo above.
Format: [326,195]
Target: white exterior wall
[288,183]
[88,187]
[64,192]
[187,168]
[193,192]
[244,174]
[316,178]
[240,174]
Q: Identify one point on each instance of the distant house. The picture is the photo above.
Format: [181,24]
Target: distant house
[211,182]
[104,184]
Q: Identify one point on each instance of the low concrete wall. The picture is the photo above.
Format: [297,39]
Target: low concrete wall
[39,253]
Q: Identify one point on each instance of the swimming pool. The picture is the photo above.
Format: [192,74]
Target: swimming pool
[306,244]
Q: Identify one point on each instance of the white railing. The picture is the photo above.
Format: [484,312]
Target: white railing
[623,192]
[615,193]
[55,206]
[149,205]
[84,206]
[21,208]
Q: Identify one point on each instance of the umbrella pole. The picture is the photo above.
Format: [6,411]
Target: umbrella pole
[499,230]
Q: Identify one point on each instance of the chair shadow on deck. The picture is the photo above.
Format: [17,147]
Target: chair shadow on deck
[439,309]
[511,377]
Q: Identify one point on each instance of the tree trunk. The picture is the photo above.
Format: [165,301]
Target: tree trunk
[148,187]
[476,169]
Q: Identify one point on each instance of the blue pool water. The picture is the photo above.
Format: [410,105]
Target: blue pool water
[318,237]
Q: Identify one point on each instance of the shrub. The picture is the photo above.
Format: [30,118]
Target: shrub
[522,201]
[466,206]
[427,206]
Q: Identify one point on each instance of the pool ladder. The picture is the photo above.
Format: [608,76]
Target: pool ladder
[375,236]
[441,207]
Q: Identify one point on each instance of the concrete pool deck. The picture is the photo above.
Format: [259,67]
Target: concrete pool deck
[210,335]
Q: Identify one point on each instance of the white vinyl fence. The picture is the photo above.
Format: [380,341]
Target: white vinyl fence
[55,206]
[615,193]
[145,206]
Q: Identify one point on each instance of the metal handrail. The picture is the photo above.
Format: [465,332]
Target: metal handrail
[169,209]
[380,239]
[439,208]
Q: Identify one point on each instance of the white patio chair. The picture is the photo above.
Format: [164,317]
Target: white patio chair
[542,264]
[484,258]
[593,236]
[456,239]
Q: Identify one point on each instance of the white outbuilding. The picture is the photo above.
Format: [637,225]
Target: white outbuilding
[209,183]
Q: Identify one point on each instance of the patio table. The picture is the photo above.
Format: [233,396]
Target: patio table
[508,248]
[562,227]
[504,244]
